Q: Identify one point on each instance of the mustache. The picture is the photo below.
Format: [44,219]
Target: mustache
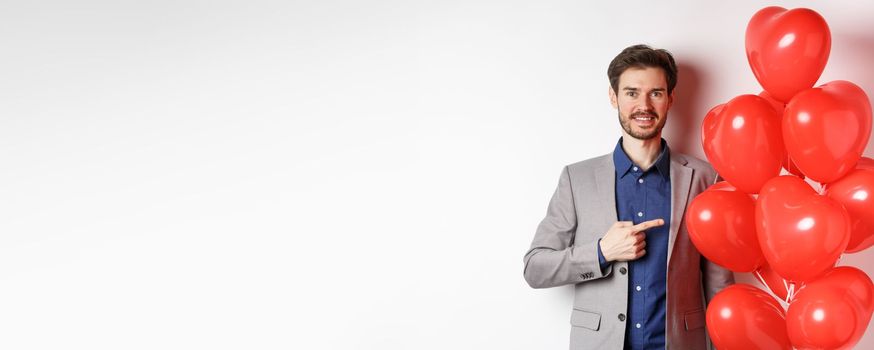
[643,114]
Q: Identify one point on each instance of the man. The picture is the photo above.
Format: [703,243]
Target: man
[614,227]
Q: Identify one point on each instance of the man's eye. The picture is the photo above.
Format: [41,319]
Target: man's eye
[656,94]
[631,94]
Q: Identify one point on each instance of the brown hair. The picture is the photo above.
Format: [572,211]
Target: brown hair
[642,56]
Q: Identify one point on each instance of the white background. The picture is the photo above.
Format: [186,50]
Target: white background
[323,174]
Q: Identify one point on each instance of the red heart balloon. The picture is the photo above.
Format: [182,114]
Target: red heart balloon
[865,163]
[787,49]
[778,105]
[826,129]
[744,317]
[722,225]
[743,141]
[709,123]
[856,192]
[832,312]
[801,233]
[722,186]
[854,281]
[788,164]
[857,283]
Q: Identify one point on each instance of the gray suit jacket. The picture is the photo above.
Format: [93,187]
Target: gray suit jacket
[564,251]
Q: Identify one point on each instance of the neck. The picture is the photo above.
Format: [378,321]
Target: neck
[642,152]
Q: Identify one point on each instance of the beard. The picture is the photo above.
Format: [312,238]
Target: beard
[655,131]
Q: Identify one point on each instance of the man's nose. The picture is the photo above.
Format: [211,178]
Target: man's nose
[645,104]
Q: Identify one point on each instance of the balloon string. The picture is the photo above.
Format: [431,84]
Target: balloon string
[762,280]
[790,290]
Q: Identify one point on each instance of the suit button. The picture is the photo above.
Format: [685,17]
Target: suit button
[622,317]
[623,270]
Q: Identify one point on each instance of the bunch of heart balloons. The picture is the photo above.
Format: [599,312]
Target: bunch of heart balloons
[789,230]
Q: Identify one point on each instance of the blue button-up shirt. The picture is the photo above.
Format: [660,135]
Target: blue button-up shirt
[643,196]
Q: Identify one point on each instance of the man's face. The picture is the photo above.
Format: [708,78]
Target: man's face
[642,102]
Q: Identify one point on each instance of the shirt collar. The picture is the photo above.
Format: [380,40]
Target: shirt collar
[624,164]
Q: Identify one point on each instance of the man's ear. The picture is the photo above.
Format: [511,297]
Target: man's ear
[613,97]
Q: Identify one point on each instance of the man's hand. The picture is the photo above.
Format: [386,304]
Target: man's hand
[625,241]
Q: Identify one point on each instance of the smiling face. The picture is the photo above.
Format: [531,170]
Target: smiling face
[642,102]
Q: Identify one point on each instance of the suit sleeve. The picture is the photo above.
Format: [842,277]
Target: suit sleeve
[715,278]
[553,259]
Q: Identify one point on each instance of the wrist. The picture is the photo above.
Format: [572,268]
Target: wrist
[602,253]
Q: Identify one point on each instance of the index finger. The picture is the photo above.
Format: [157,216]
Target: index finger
[647,225]
[624,223]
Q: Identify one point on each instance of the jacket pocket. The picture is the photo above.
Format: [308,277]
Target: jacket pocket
[586,319]
[694,319]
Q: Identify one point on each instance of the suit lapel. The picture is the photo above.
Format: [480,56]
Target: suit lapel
[681,182]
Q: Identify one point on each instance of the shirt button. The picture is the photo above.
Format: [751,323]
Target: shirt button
[623,270]
[640,181]
[637,288]
[622,317]
[635,168]
[637,325]
[639,214]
